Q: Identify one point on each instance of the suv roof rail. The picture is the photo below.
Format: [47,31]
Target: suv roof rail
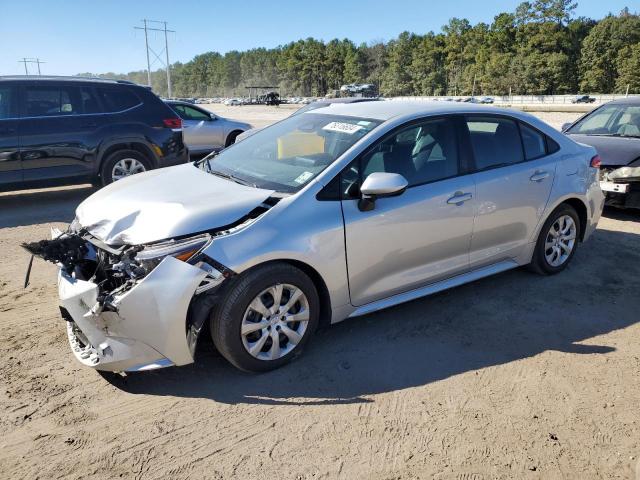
[35,78]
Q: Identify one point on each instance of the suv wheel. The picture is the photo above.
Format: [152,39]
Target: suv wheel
[123,163]
[557,242]
[266,317]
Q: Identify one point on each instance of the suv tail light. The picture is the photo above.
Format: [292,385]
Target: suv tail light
[595,161]
[173,123]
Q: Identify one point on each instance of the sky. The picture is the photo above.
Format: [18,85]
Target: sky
[73,36]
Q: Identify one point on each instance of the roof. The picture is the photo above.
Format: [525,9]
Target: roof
[53,78]
[387,110]
[347,100]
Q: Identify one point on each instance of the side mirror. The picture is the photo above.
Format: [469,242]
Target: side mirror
[565,126]
[380,184]
[213,116]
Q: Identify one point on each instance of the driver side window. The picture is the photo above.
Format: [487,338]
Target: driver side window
[422,153]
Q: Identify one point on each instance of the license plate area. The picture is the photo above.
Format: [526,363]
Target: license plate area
[614,187]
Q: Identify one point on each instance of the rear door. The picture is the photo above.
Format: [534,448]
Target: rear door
[10,164]
[202,132]
[515,170]
[59,130]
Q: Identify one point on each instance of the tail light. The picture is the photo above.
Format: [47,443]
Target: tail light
[173,123]
[596,162]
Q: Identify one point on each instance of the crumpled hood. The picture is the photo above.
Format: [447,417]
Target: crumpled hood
[165,203]
[613,151]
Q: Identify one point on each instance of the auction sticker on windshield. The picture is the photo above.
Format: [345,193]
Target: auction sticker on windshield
[303,177]
[342,127]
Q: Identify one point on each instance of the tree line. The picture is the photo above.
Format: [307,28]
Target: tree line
[541,49]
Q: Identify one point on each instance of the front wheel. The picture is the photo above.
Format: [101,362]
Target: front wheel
[557,242]
[266,317]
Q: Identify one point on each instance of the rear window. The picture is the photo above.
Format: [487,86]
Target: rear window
[495,141]
[117,99]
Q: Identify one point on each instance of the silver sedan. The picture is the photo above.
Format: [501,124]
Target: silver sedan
[330,214]
[205,131]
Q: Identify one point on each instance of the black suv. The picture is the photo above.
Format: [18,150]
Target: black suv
[63,130]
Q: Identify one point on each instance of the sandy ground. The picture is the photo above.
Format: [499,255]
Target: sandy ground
[514,376]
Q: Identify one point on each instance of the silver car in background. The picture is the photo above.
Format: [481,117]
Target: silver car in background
[326,215]
[204,131]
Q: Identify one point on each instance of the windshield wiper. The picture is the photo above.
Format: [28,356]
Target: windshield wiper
[233,178]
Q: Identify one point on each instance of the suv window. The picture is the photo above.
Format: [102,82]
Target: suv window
[190,113]
[51,101]
[422,153]
[494,141]
[89,101]
[6,102]
[117,99]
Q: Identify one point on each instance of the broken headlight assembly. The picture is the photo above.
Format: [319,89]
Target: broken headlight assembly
[624,173]
[183,249]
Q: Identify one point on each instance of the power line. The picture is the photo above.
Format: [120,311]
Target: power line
[30,60]
[166,62]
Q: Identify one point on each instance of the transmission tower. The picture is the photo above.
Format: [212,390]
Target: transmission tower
[157,56]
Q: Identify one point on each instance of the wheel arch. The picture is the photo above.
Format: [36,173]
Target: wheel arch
[232,134]
[581,209]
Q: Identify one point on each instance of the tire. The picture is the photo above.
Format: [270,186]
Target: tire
[137,158]
[231,139]
[543,256]
[235,314]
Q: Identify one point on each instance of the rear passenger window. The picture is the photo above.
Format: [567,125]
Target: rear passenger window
[533,141]
[495,142]
[117,99]
[51,101]
[89,101]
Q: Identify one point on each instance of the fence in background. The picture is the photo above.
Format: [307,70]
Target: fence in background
[522,99]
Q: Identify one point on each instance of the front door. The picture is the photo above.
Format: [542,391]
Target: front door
[420,236]
[515,169]
[10,165]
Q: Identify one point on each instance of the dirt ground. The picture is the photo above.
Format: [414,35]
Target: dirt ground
[514,376]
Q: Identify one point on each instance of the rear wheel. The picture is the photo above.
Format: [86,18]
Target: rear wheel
[266,317]
[557,242]
[123,163]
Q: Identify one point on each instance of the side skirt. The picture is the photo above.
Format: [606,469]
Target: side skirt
[435,287]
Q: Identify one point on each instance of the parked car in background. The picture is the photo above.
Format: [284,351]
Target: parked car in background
[485,100]
[583,99]
[65,130]
[330,214]
[205,131]
[325,102]
[233,102]
[614,130]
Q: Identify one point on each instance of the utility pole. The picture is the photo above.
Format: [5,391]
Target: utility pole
[165,62]
[30,60]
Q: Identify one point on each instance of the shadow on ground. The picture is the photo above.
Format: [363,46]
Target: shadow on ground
[494,321]
[31,207]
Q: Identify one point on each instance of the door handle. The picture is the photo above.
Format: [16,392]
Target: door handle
[539,176]
[89,125]
[459,198]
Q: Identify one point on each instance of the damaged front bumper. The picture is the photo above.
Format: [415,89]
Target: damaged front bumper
[144,328]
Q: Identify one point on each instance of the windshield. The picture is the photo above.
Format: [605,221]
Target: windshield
[610,120]
[291,153]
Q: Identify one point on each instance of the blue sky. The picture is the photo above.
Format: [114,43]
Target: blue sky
[74,36]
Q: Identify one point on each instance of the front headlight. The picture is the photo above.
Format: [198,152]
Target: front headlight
[624,173]
[183,249]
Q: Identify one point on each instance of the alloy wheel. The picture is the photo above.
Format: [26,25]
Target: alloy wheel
[275,322]
[560,241]
[126,167]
